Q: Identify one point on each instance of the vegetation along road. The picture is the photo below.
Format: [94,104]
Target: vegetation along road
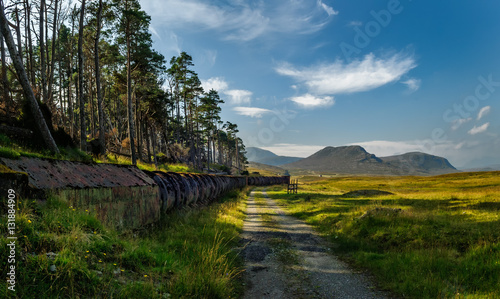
[418,237]
[285,258]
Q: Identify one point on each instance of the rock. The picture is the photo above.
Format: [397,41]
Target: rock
[52,268]
[51,255]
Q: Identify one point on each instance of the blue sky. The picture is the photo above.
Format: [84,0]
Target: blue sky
[392,76]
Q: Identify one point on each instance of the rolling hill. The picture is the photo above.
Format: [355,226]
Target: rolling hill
[255,154]
[356,160]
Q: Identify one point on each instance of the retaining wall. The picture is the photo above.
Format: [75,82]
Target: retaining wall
[121,196]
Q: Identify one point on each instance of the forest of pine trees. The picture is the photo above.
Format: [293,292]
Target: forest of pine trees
[85,74]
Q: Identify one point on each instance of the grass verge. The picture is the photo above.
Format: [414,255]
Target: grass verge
[66,252]
[434,237]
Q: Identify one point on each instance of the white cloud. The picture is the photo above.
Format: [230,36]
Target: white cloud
[216,83]
[251,111]
[311,101]
[238,96]
[294,150]
[357,76]
[483,112]
[154,32]
[457,123]
[240,20]
[413,84]
[329,10]
[480,129]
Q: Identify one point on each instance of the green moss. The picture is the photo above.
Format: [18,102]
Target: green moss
[9,153]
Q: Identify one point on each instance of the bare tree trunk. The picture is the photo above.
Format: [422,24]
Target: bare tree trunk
[5,82]
[98,81]
[130,112]
[83,137]
[42,53]
[18,33]
[153,139]
[147,136]
[23,79]
[138,128]
[52,62]
[30,45]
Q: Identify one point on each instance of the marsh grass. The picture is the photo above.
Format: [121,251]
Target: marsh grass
[188,254]
[436,237]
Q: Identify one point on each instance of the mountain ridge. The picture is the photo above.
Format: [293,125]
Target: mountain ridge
[262,156]
[354,159]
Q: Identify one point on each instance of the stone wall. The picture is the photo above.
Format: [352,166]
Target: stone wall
[122,196]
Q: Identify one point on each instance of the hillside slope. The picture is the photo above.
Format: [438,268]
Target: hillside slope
[417,162]
[356,160]
[255,154]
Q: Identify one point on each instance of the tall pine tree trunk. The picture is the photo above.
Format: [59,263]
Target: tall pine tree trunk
[130,112]
[23,79]
[98,81]
[43,70]
[52,62]
[5,87]
[83,137]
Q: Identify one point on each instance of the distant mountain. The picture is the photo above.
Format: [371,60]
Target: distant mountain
[255,154]
[495,167]
[420,163]
[356,160]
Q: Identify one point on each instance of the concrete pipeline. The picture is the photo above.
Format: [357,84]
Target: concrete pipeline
[122,196]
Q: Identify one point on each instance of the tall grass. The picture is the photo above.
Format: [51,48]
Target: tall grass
[187,254]
[435,237]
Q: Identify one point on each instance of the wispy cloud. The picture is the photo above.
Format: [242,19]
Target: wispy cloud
[239,96]
[360,75]
[483,112]
[311,101]
[480,129]
[413,84]
[235,96]
[294,150]
[251,111]
[215,83]
[457,123]
[240,20]
[328,9]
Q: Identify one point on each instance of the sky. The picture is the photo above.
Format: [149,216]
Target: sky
[392,76]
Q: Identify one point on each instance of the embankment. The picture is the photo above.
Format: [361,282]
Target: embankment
[122,196]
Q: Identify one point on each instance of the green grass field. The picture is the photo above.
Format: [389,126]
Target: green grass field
[433,237]
[189,254]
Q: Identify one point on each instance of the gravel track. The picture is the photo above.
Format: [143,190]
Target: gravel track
[285,258]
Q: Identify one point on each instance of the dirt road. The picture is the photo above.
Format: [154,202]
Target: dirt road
[285,258]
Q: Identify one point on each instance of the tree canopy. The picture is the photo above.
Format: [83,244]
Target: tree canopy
[99,83]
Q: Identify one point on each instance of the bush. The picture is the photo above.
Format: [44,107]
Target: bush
[4,140]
